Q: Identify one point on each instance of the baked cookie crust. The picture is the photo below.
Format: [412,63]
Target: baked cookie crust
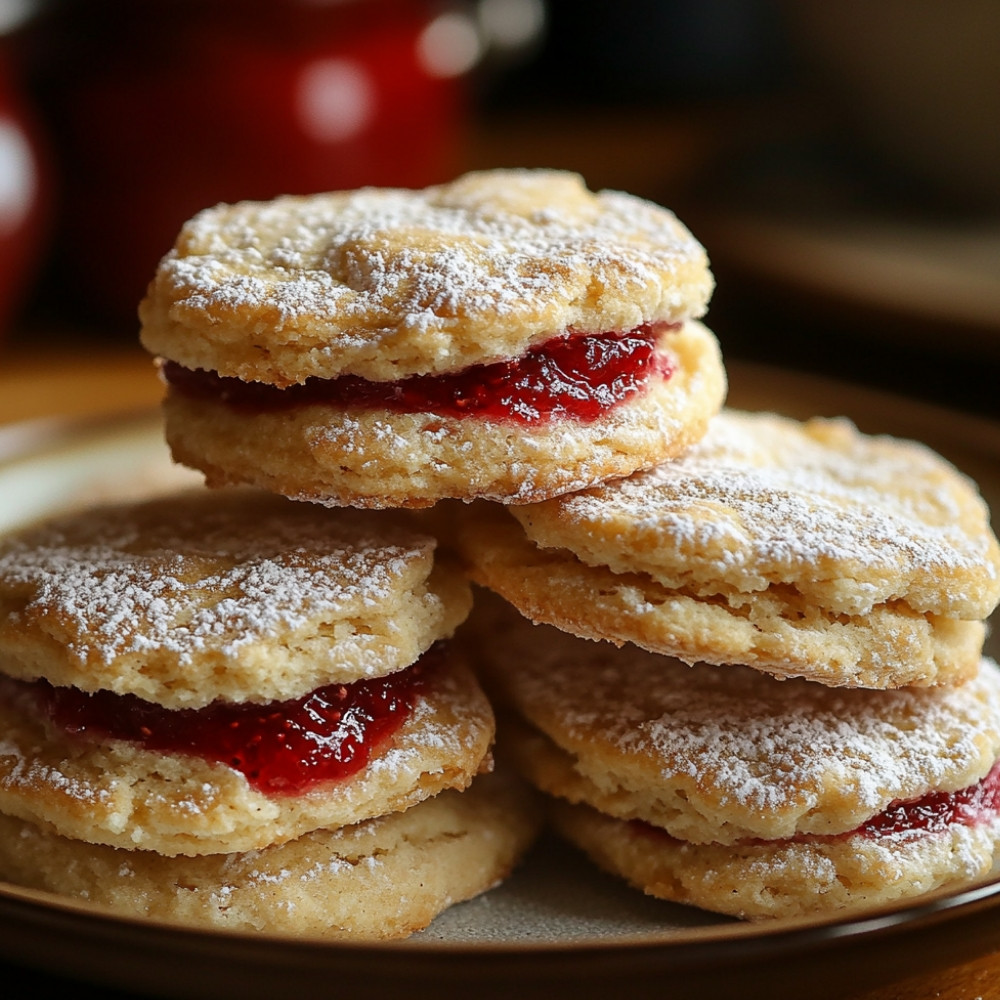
[382,879]
[787,879]
[380,458]
[804,550]
[236,596]
[385,283]
[118,793]
[722,754]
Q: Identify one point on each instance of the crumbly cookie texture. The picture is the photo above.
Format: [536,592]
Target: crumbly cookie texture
[382,879]
[234,595]
[800,549]
[788,879]
[123,795]
[721,754]
[378,458]
[385,283]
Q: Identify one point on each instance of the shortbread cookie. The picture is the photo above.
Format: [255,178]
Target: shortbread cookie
[744,794]
[216,672]
[789,878]
[799,549]
[385,283]
[381,879]
[238,596]
[108,769]
[510,335]
[377,458]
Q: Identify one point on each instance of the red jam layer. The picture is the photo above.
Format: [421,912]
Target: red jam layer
[578,377]
[931,813]
[283,748]
[936,811]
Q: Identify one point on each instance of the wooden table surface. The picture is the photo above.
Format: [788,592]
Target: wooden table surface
[104,380]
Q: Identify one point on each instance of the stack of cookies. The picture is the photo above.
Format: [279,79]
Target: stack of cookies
[834,744]
[242,712]
[232,709]
[785,708]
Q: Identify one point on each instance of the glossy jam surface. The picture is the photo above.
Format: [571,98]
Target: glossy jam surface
[931,813]
[283,748]
[938,810]
[578,377]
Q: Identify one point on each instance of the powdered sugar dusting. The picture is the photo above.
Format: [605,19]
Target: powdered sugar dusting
[384,282]
[116,581]
[758,748]
[334,254]
[761,746]
[29,773]
[763,500]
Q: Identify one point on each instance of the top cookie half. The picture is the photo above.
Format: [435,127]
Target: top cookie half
[387,283]
[234,596]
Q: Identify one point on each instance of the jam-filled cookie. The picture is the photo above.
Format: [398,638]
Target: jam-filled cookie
[381,879]
[510,335]
[217,672]
[731,790]
[800,549]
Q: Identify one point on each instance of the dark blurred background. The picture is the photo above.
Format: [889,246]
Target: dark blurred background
[840,161]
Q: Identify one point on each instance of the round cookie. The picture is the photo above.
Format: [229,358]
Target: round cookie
[378,458]
[237,596]
[140,641]
[728,789]
[509,336]
[386,283]
[799,549]
[377,880]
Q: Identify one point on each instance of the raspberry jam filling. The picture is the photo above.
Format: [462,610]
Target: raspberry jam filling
[934,812]
[578,377]
[283,748]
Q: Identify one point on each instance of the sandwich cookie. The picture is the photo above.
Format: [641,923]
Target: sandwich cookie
[730,790]
[510,336]
[210,673]
[799,549]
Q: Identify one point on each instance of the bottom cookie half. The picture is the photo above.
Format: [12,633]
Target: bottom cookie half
[381,879]
[791,878]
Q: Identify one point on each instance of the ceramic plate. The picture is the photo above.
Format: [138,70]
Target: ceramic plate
[557,927]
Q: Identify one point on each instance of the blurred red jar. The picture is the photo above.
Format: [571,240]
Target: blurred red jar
[164,107]
[23,193]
